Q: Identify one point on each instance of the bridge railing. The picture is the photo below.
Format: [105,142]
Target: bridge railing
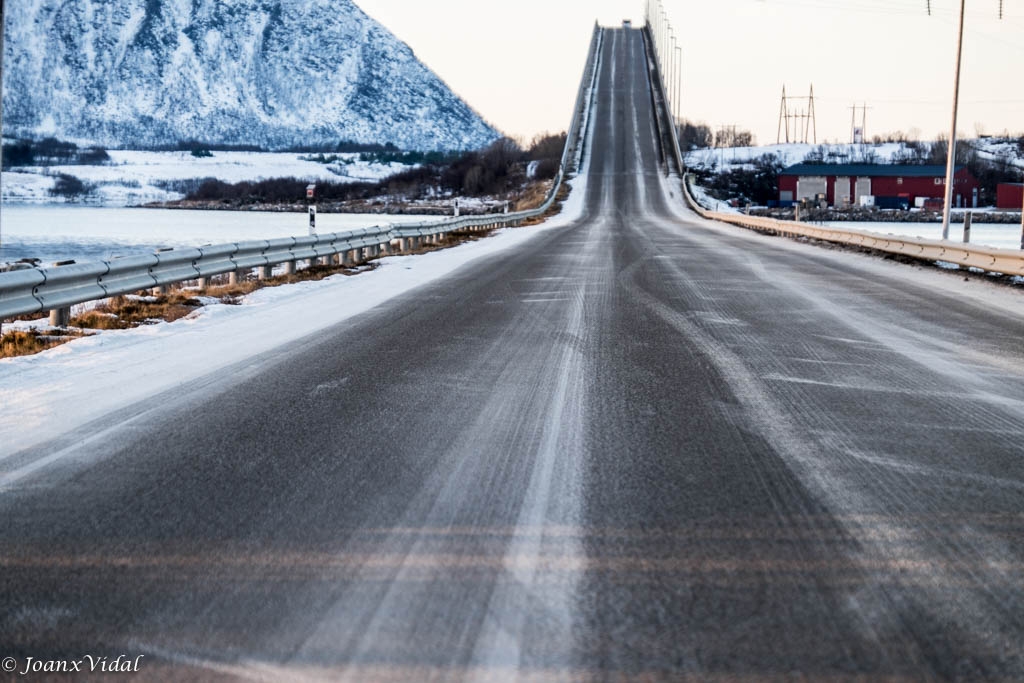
[57,288]
[662,102]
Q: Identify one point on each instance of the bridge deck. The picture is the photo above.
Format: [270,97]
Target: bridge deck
[638,445]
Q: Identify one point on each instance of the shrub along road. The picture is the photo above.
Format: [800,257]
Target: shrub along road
[635,445]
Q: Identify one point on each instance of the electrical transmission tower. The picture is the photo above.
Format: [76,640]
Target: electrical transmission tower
[859,136]
[798,118]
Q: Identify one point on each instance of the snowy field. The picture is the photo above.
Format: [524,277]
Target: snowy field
[795,153]
[135,178]
[792,153]
[56,233]
[999,236]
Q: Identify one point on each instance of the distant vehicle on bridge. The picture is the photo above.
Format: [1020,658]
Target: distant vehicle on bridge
[626,23]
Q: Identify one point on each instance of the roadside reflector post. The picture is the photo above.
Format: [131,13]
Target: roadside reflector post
[456,208]
[967,227]
[310,195]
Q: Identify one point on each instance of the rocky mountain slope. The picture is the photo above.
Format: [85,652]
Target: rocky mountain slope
[273,73]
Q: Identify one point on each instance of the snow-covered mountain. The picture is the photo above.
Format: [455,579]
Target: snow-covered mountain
[275,73]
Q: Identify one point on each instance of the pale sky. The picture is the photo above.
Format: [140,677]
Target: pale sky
[519,63]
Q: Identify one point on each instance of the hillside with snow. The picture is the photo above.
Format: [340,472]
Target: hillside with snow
[133,74]
[996,150]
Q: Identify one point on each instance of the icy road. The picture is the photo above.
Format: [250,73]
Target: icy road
[636,445]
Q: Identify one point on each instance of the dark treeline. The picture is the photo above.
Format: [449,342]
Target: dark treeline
[343,147]
[497,169]
[700,136]
[51,152]
[756,182]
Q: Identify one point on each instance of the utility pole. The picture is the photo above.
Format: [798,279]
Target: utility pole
[679,86]
[859,136]
[951,151]
[672,78]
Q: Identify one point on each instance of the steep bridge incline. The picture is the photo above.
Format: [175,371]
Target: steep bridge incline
[640,445]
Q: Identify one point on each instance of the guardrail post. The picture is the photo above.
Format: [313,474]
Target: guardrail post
[204,282]
[234,277]
[289,267]
[161,290]
[967,227]
[385,249]
[265,272]
[60,317]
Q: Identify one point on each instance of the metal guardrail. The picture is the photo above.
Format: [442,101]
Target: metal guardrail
[663,100]
[34,290]
[990,259]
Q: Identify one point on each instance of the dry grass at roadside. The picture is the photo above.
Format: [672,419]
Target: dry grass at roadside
[123,312]
[556,208]
[232,294]
[126,312]
[29,342]
[532,197]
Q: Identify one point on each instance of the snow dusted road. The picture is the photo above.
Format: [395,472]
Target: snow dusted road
[637,445]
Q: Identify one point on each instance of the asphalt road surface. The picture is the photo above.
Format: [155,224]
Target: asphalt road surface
[632,447]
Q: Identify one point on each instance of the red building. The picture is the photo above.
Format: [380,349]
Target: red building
[1010,196]
[890,186]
